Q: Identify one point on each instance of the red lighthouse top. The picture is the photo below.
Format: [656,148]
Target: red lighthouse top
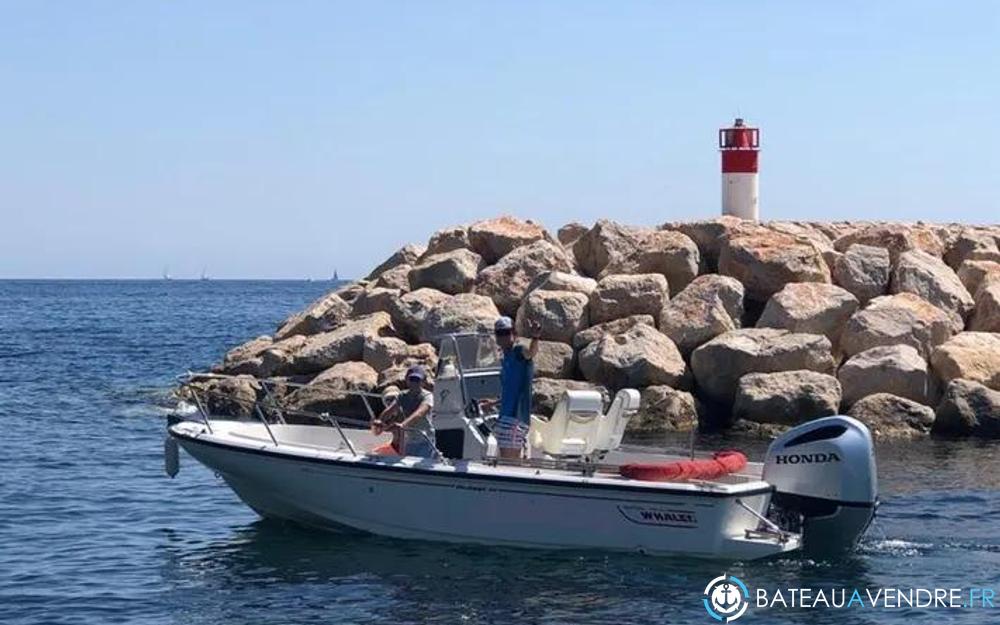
[739,145]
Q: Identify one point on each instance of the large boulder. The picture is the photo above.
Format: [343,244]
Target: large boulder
[396,278]
[342,344]
[896,238]
[864,270]
[406,255]
[920,273]
[546,392]
[277,359]
[610,248]
[896,369]
[554,360]
[325,313]
[986,317]
[969,244]
[408,311]
[450,272]
[709,235]
[334,391]
[495,238]
[466,312]
[571,232]
[561,281]
[810,307]
[720,363]
[224,397]
[373,300]
[709,306]
[618,296]
[974,273]
[447,240]
[902,319]
[558,314]
[640,356]
[786,397]
[766,261]
[508,280]
[584,338]
[245,358]
[383,352]
[970,356]
[968,409]
[665,409]
[892,417]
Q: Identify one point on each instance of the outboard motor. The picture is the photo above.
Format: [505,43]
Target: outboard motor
[825,481]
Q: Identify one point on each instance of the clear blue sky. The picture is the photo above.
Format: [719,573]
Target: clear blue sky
[284,139]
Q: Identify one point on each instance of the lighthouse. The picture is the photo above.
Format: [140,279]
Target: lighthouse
[740,145]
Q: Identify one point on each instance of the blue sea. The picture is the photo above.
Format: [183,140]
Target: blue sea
[92,531]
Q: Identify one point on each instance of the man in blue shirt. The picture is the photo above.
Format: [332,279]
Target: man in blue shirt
[516,372]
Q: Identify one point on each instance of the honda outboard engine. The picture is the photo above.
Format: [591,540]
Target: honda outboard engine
[825,482]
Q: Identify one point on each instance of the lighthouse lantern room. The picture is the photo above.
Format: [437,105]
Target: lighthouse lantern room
[740,146]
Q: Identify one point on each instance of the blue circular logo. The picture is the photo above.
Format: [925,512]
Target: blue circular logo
[726,598]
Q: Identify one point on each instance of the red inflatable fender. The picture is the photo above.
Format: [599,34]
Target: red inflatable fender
[721,463]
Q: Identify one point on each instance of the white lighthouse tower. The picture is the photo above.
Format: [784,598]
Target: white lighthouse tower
[740,146]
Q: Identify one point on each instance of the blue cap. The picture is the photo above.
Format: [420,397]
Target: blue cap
[416,372]
[503,324]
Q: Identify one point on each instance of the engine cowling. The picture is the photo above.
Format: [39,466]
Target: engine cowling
[825,479]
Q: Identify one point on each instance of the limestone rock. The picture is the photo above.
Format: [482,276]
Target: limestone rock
[450,272]
[974,273]
[350,291]
[394,378]
[896,238]
[396,278]
[895,369]
[810,307]
[786,397]
[330,392]
[327,312]
[864,270]
[245,358]
[967,245]
[554,360]
[709,306]
[968,409]
[406,255]
[893,417]
[408,311]
[766,261]
[345,343]
[618,296]
[226,397]
[546,392]
[986,317]
[971,356]
[664,409]
[927,276]
[508,280]
[446,240]
[903,319]
[466,312]
[373,300]
[559,314]
[277,358]
[585,337]
[383,352]
[640,356]
[495,238]
[709,235]
[561,281]
[720,363]
[571,232]
[610,248]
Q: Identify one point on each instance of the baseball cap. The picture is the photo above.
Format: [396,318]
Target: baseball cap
[503,324]
[415,372]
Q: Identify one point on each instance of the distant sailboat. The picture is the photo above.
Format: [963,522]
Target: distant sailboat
[336,278]
[204,274]
[166,273]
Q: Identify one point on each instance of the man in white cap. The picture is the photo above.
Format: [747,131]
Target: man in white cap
[515,388]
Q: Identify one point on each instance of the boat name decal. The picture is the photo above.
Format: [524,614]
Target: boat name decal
[667,517]
[817,458]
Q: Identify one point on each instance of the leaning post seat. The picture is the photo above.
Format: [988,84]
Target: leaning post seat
[613,424]
[573,427]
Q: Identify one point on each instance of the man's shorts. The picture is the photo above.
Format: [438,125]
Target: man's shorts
[510,433]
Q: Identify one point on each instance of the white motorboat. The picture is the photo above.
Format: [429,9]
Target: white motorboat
[816,487]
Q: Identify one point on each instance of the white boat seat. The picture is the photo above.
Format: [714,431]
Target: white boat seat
[613,423]
[573,427]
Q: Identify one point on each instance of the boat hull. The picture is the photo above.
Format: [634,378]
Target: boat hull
[429,501]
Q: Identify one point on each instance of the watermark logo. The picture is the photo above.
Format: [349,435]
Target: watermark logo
[726,598]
